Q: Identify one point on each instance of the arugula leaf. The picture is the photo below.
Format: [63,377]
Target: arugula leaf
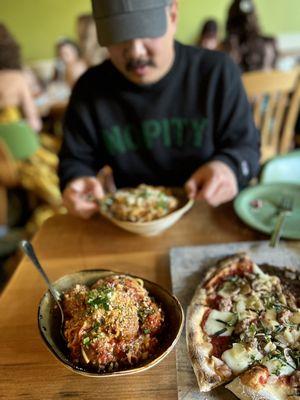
[86,341]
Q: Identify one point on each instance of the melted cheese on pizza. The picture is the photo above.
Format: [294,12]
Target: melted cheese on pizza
[252,319]
[239,358]
[219,322]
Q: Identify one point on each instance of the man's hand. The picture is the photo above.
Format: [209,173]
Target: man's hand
[77,196]
[214,182]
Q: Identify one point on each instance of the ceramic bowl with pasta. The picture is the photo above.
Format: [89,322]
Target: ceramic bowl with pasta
[115,324]
[145,210]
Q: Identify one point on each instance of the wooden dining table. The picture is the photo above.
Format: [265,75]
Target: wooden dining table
[66,244]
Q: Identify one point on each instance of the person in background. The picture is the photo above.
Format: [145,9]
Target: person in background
[36,86]
[15,97]
[92,52]
[244,41]
[70,64]
[157,112]
[208,38]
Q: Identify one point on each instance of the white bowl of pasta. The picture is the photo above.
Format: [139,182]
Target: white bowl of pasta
[145,210]
[115,324]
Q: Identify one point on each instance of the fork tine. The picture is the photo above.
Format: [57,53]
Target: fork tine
[287,203]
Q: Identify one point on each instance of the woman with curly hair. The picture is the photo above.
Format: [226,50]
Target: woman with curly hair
[244,41]
[15,96]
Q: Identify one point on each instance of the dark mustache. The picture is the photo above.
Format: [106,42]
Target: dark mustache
[133,64]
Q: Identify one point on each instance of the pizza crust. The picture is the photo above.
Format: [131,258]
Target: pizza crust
[268,392]
[225,267]
[199,350]
[209,370]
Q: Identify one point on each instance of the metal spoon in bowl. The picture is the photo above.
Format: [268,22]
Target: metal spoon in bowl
[29,251]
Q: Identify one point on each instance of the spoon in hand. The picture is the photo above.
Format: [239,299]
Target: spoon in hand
[29,251]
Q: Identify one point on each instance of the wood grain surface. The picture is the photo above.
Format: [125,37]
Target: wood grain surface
[67,244]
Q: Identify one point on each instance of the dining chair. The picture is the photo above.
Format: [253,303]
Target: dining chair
[275,99]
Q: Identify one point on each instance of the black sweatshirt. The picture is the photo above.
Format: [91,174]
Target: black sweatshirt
[160,133]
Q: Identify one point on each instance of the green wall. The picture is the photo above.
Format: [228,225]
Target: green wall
[37,24]
[275,16]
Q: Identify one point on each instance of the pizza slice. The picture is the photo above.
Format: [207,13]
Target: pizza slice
[258,384]
[243,325]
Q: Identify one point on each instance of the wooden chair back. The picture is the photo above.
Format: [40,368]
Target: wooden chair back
[275,99]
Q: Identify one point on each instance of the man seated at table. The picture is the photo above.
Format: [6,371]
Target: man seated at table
[157,112]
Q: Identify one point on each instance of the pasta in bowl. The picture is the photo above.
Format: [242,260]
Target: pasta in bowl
[115,324]
[145,210]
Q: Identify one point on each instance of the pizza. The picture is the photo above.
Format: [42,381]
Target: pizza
[243,329]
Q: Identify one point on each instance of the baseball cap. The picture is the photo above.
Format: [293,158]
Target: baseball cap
[121,20]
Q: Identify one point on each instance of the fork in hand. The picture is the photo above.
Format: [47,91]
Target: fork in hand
[285,208]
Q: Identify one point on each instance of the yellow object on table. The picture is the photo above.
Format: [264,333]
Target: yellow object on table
[9,114]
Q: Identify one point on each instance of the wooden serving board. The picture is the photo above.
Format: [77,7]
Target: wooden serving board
[187,267]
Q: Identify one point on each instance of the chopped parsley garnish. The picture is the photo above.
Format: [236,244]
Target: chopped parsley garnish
[277,370]
[279,307]
[233,278]
[268,301]
[162,204]
[279,329]
[252,330]
[96,326]
[253,358]
[100,297]
[146,194]
[146,331]
[268,338]
[144,312]
[282,360]
[86,341]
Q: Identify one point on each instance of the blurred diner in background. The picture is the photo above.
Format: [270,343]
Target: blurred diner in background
[40,67]
[209,35]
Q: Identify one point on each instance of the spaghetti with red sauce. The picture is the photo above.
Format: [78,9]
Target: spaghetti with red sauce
[112,325]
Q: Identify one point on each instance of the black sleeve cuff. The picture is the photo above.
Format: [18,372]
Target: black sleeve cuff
[241,168]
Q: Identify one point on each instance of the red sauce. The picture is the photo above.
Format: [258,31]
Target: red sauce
[220,344]
[263,379]
[231,272]
[111,335]
[204,319]
[238,272]
[214,302]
